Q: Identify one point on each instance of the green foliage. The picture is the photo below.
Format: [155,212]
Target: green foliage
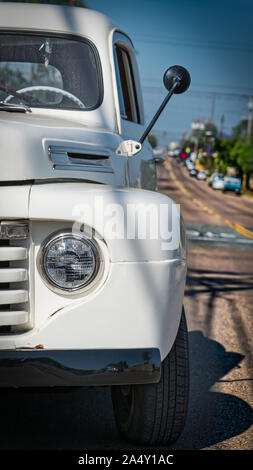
[211,127]
[152,140]
[201,160]
[237,153]
[224,159]
[188,143]
[241,129]
[210,164]
[242,152]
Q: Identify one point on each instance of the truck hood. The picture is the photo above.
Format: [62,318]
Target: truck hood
[77,151]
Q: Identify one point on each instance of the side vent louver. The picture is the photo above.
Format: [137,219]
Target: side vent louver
[74,159]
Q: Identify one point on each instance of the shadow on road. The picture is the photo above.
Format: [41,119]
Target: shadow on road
[212,285]
[212,417]
[200,281]
[83,418]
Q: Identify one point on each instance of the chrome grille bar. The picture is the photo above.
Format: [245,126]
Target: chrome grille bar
[14,286]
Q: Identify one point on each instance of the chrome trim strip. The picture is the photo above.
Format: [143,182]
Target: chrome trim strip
[13,317]
[84,167]
[13,296]
[41,367]
[13,275]
[13,253]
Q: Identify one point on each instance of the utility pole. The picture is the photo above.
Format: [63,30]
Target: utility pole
[212,108]
[197,127]
[250,109]
[222,119]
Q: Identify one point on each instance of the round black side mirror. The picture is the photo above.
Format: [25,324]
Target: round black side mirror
[177,73]
[176,79]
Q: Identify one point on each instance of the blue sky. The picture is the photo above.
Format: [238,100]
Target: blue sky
[213,39]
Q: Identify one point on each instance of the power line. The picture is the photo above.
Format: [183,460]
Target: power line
[200,93]
[231,87]
[197,43]
[196,39]
[211,85]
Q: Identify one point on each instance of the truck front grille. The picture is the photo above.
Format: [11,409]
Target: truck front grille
[14,277]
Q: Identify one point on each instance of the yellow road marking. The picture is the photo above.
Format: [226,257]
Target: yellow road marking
[243,230]
[240,229]
[182,187]
[169,168]
[228,222]
[205,208]
[197,201]
[236,227]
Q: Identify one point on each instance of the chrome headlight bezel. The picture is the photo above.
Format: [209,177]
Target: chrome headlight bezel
[87,284]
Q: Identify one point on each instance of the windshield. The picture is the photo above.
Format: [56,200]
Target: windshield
[49,72]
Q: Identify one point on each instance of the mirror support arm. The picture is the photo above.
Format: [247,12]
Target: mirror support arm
[160,109]
[176,79]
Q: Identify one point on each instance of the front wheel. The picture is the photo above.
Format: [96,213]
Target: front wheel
[155,414]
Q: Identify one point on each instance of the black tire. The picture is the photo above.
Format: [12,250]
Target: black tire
[155,414]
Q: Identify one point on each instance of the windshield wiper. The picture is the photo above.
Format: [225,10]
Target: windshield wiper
[15,108]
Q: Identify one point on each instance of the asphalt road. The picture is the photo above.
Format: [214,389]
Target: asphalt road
[218,302]
[199,202]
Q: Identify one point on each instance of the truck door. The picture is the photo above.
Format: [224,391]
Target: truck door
[140,168]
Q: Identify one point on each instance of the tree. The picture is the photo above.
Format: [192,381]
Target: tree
[224,159]
[237,153]
[152,140]
[241,129]
[210,129]
[242,152]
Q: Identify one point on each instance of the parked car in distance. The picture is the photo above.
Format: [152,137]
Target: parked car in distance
[213,175]
[202,175]
[183,155]
[193,172]
[158,159]
[232,183]
[218,182]
[173,153]
[158,151]
[190,165]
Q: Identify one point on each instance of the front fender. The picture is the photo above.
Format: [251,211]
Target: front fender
[138,302]
[136,224]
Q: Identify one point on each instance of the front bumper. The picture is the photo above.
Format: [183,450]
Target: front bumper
[47,368]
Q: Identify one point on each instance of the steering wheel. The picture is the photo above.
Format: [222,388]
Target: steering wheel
[48,88]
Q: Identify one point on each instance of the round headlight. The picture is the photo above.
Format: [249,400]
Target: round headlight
[69,262]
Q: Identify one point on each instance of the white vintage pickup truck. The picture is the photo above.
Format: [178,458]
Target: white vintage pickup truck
[92,257]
